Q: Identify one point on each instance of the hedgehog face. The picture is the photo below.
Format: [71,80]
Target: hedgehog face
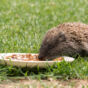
[45,51]
[49,48]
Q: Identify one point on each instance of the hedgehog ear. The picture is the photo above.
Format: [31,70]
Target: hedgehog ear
[62,37]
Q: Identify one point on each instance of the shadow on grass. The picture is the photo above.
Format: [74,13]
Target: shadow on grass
[77,69]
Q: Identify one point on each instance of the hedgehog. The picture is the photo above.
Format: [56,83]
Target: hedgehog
[66,39]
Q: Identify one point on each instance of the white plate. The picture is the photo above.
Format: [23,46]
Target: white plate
[21,63]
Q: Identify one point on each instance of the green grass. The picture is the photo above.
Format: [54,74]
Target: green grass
[23,24]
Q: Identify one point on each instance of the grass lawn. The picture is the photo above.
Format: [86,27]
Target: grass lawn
[23,24]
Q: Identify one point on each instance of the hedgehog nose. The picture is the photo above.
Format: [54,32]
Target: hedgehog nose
[40,57]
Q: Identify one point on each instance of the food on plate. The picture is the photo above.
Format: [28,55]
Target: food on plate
[24,57]
[58,59]
[28,57]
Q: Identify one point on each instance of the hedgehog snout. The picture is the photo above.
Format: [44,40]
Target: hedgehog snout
[41,57]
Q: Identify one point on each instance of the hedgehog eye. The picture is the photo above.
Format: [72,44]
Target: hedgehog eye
[50,46]
[62,37]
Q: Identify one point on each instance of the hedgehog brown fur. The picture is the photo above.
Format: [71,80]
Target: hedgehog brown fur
[66,39]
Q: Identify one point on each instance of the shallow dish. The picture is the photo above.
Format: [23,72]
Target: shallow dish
[21,63]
